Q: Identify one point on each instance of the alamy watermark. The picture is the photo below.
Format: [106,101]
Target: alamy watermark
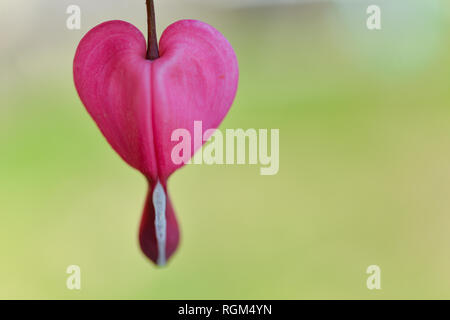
[236,146]
[374,19]
[73,22]
[73,282]
[374,280]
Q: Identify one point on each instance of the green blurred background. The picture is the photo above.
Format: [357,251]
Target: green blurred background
[364,159]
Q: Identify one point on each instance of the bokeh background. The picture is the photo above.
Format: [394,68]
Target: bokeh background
[364,159]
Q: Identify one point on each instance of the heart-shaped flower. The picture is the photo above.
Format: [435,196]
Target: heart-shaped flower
[137,104]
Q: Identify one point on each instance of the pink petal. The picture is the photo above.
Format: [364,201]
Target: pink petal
[195,79]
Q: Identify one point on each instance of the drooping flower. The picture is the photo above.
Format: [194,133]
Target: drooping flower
[137,103]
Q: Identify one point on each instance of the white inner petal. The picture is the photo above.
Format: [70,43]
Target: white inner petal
[159,203]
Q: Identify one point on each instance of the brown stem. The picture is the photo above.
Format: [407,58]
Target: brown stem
[152,47]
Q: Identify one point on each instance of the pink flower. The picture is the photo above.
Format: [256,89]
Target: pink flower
[137,103]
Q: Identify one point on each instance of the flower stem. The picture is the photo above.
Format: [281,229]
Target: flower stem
[152,47]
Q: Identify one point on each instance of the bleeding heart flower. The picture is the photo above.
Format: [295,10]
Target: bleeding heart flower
[139,99]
